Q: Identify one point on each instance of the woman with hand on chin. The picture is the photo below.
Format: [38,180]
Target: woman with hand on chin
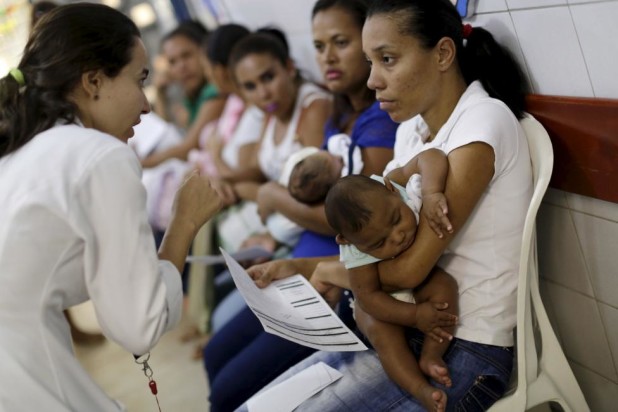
[74,221]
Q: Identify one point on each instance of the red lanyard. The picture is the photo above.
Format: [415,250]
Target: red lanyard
[148,372]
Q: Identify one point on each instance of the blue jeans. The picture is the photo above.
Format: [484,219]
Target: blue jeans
[480,375]
[231,305]
[241,359]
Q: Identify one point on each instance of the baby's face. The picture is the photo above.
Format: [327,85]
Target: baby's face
[390,230]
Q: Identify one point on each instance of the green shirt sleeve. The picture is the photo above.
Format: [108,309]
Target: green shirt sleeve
[209,91]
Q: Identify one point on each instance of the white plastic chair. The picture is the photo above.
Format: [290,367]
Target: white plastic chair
[542,373]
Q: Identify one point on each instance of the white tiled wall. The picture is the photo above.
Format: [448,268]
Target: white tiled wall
[568,48]
[571,49]
[597,32]
[556,232]
[293,17]
[547,37]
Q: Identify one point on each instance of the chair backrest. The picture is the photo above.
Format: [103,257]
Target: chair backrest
[542,158]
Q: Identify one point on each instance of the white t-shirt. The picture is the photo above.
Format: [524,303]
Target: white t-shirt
[484,256]
[247,131]
[339,145]
[73,228]
[272,156]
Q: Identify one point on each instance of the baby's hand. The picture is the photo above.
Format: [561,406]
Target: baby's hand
[435,210]
[431,318]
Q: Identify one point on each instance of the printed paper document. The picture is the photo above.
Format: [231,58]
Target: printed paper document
[288,394]
[292,309]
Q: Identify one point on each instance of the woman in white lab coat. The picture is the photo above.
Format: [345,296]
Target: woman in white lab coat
[74,224]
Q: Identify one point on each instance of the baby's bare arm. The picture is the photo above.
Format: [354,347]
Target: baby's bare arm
[433,168]
[431,164]
[364,282]
[365,285]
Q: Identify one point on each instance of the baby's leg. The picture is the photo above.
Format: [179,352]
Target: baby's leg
[399,362]
[438,287]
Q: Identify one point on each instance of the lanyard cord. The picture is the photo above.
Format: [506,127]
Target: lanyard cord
[143,361]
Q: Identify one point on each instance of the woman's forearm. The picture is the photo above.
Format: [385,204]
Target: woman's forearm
[309,217]
[180,151]
[250,174]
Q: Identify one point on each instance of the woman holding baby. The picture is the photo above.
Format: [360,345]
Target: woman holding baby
[457,90]
[241,358]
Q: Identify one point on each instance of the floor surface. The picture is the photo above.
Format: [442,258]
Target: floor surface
[181,380]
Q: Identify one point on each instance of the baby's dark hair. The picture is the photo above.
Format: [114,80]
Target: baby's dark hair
[309,182]
[345,203]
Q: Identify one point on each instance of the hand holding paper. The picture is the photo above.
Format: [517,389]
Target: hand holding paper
[292,309]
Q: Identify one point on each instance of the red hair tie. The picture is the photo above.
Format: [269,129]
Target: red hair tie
[467,30]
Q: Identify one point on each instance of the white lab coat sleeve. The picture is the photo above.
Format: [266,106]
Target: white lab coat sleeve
[136,296]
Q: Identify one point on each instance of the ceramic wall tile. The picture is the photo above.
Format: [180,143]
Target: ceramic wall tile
[500,25]
[609,316]
[597,31]
[551,48]
[599,242]
[592,206]
[589,1]
[584,339]
[601,394]
[490,6]
[289,16]
[560,256]
[527,4]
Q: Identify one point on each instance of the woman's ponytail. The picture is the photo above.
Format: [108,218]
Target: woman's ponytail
[485,60]
[479,56]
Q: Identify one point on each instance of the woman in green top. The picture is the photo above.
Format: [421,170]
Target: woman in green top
[183,49]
